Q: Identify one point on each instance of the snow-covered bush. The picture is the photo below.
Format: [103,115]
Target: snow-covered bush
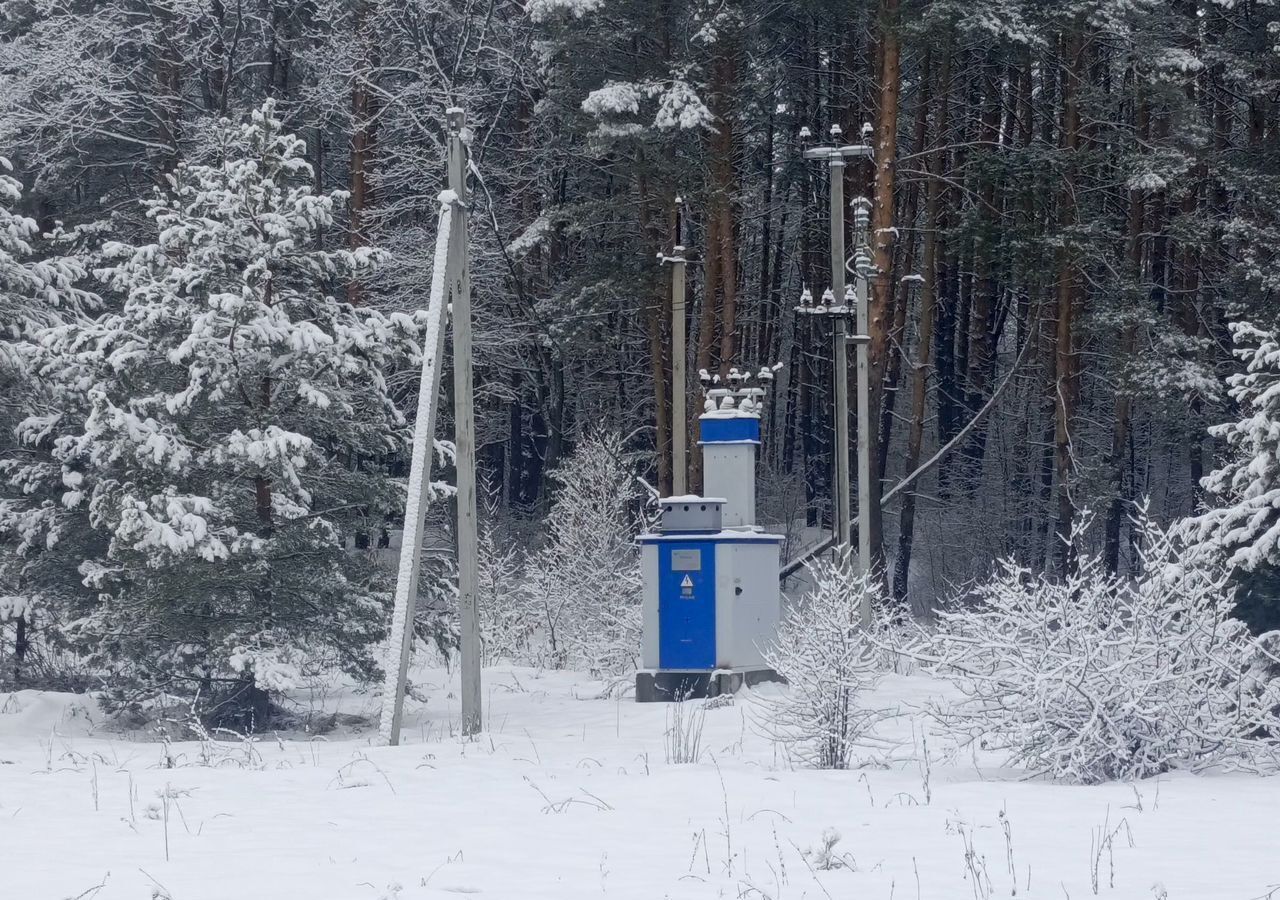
[1244,528]
[217,438]
[1097,677]
[506,628]
[828,659]
[582,587]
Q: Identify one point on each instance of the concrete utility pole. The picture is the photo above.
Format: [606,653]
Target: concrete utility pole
[446,259]
[679,427]
[450,280]
[464,429]
[835,306]
[862,271]
[835,160]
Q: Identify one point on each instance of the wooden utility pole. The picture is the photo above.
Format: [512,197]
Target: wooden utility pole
[464,430]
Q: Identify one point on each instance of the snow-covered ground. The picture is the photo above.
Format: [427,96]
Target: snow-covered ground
[568,796]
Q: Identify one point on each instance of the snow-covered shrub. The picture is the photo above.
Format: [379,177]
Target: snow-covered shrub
[828,659]
[506,628]
[582,587]
[1096,677]
[217,437]
[1244,528]
[895,631]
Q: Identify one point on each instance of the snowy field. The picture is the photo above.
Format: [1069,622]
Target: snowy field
[567,795]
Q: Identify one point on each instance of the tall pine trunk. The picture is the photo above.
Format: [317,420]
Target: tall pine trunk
[924,335]
[904,272]
[882,223]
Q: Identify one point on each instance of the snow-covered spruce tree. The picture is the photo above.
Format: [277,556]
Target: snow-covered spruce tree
[1097,677]
[34,293]
[582,587]
[221,439]
[1244,527]
[828,659]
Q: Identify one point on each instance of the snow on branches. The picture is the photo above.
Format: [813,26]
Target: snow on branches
[582,587]
[1097,677]
[1246,527]
[678,107]
[219,434]
[32,291]
[36,291]
[827,659]
[543,10]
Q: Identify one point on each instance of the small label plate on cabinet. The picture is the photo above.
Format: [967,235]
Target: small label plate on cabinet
[686,560]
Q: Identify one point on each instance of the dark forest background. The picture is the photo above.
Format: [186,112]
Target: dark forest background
[1071,201]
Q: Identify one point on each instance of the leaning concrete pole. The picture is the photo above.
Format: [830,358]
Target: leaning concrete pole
[400,643]
[679,427]
[464,430]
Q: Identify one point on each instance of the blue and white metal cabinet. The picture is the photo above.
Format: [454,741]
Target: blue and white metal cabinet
[711,600]
[711,594]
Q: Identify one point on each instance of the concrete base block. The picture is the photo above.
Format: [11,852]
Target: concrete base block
[666,686]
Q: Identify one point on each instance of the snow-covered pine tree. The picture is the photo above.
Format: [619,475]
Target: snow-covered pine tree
[1244,526]
[34,293]
[221,439]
